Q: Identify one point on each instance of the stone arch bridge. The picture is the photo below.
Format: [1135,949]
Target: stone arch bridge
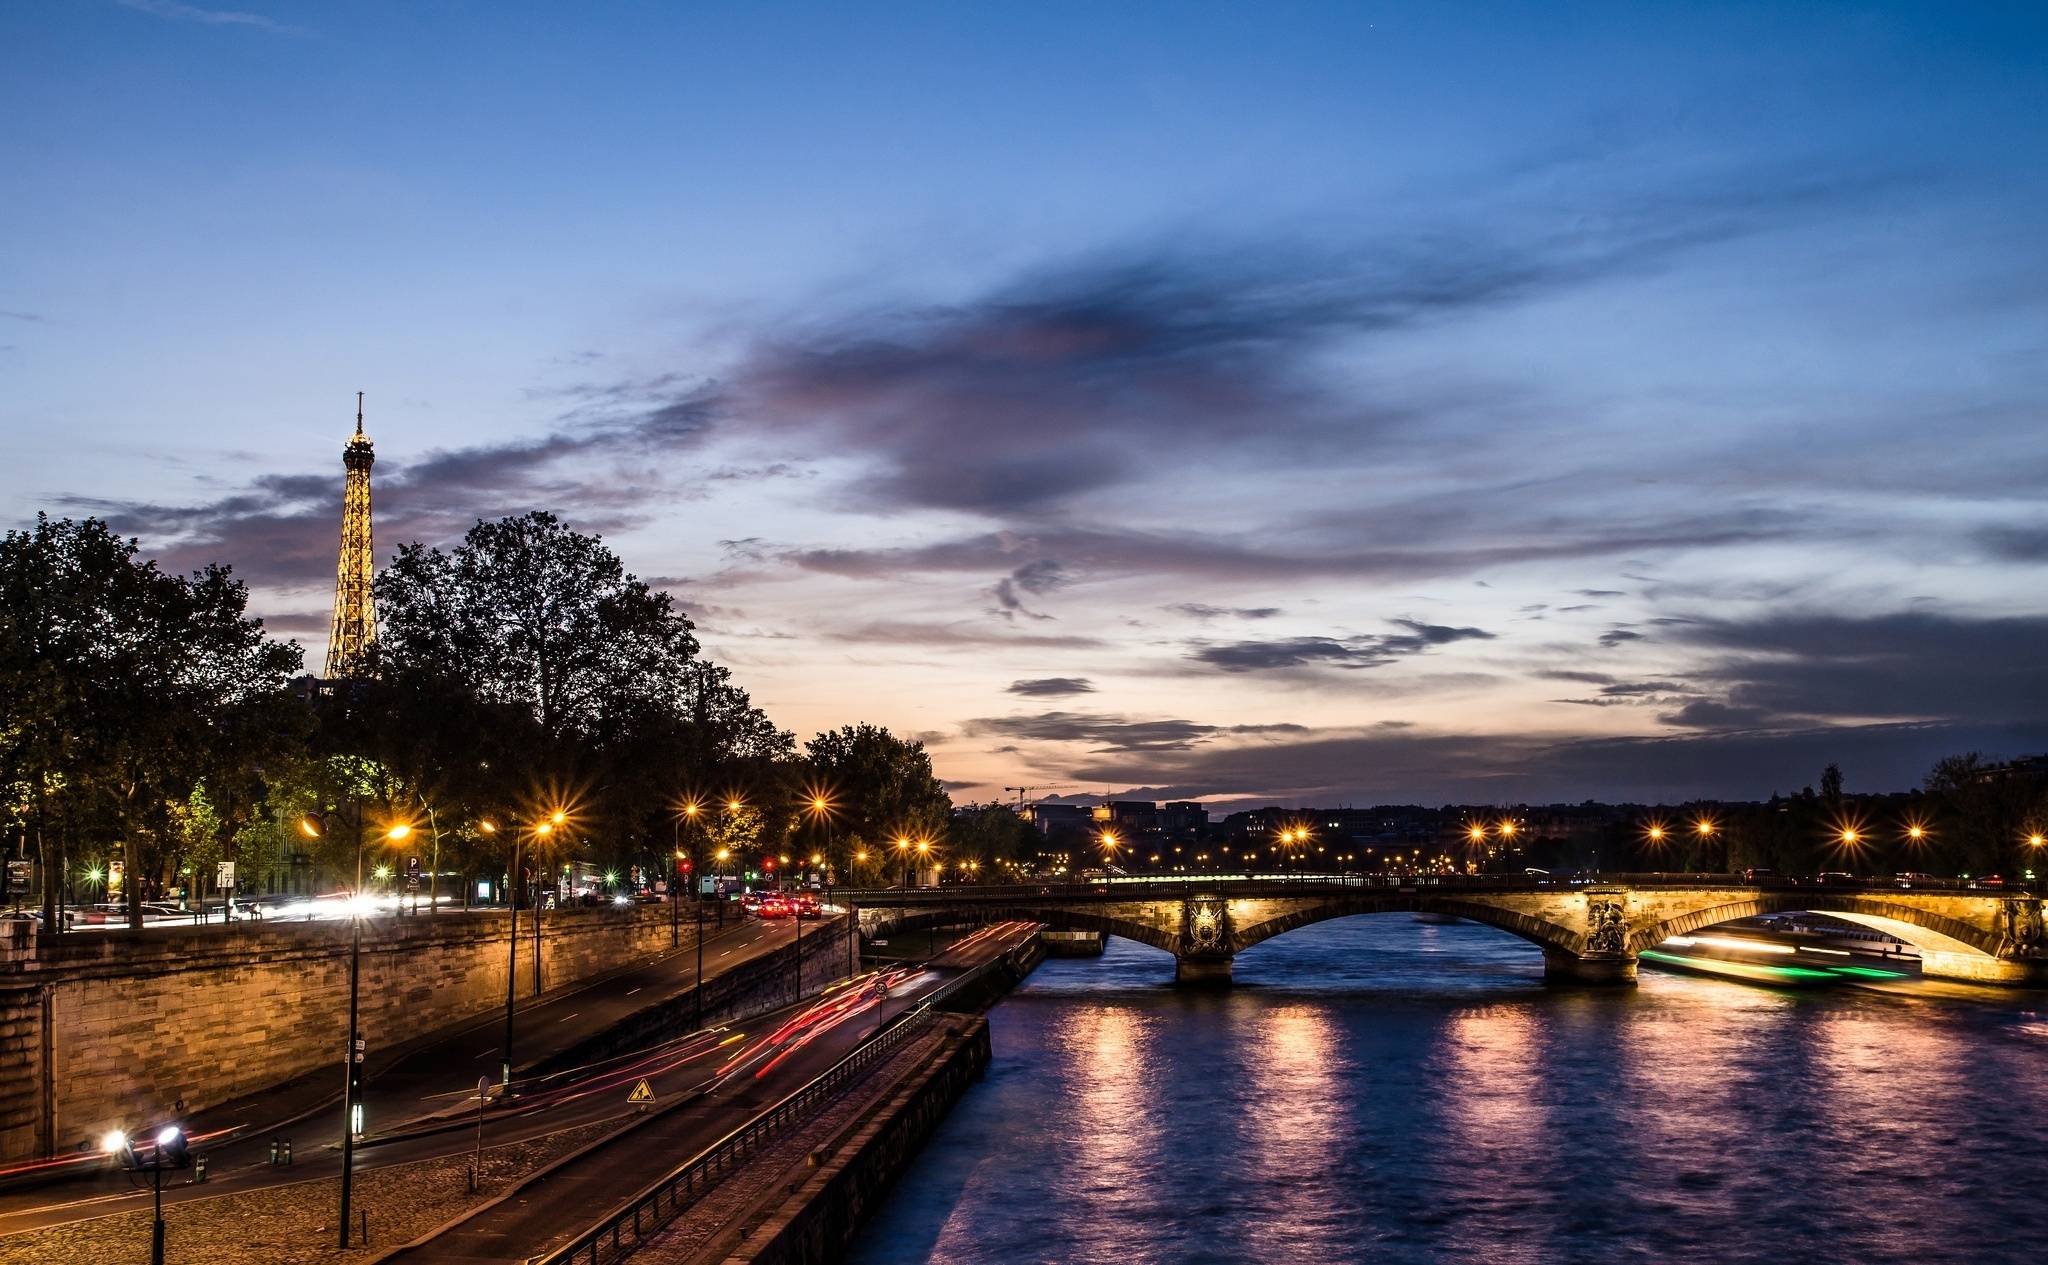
[1589,931]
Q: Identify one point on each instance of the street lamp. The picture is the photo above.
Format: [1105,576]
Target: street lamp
[172,1150]
[1109,847]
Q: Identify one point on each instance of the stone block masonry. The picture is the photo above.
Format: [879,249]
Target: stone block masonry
[99,1029]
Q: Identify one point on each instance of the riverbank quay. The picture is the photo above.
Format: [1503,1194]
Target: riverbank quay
[417,1075]
[801,1201]
[548,1120]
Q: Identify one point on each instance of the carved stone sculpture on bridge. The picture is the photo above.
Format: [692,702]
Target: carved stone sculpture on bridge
[1606,925]
[1205,943]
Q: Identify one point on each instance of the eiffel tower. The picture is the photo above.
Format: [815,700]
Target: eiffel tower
[355,622]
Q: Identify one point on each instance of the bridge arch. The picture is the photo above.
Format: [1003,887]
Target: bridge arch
[1924,929]
[1541,932]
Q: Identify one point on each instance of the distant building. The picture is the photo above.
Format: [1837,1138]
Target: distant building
[1130,817]
[1184,819]
[1052,819]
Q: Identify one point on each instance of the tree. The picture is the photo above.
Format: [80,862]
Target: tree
[882,787]
[530,643]
[992,834]
[122,681]
[529,613]
[1831,786]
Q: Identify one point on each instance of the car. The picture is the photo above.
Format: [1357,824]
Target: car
[1988,880]
[1909,878]
[1758,873]
[1834,877]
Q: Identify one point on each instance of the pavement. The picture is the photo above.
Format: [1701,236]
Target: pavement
[426,1079]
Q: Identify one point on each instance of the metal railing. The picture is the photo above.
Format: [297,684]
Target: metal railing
[1233,884]
[658,1204]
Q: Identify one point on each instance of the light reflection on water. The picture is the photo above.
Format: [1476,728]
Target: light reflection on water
[1381,1090]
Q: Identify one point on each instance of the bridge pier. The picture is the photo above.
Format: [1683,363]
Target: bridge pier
[1563,967]
[1204,971]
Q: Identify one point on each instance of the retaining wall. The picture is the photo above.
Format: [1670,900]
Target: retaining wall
[102,1027]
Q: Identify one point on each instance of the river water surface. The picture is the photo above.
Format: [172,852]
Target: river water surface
[1381,1090]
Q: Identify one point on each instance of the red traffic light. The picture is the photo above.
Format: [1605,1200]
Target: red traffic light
[768,864]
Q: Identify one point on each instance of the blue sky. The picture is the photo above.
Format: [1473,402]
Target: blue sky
[1312,402]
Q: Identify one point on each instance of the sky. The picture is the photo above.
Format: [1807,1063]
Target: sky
[1300,403]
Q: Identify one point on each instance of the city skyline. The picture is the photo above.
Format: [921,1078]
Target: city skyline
[1598,430]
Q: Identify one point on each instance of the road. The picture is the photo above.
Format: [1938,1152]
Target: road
[722,1079]
[431,1080]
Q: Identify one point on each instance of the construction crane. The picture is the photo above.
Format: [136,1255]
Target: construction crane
[1022,791]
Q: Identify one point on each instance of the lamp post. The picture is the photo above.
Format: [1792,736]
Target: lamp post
[853,924]
[312,825]
[541,830]
[172,1150]
[689,814]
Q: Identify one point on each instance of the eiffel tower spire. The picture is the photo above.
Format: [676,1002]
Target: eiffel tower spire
[355,621]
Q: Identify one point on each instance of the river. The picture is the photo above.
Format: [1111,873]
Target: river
[1381,1090]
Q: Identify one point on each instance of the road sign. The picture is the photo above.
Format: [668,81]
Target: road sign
[224,874]
[642,1092]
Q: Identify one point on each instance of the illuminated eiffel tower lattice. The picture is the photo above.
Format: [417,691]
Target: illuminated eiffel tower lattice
[355,620]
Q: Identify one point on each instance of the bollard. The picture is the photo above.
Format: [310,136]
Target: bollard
[365,1223]
[287,1152]
[198,1169]
[273,1152]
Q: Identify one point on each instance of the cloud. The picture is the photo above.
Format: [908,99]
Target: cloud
[1042,576]
[1052,686]
[1615,636]
[1324,767]
[1111,733]
[1703,713]
[1202,610]
[1100,551]
[965,636]
[1599,593]
[1089,373]
[2016,544]
[1351,652]
[210,17]
[1801,667]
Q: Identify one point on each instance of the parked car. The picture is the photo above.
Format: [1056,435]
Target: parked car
[1910,878]
[1758,873]
[1835,877]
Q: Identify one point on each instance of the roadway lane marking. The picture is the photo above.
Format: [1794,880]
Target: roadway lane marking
[631,991]
[566,1018]
[488,1053]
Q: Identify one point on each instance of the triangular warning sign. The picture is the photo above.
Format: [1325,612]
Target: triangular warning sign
[642,1092]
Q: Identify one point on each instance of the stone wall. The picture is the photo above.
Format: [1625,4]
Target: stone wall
[819,1218]
[104,1028]
[764,983]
